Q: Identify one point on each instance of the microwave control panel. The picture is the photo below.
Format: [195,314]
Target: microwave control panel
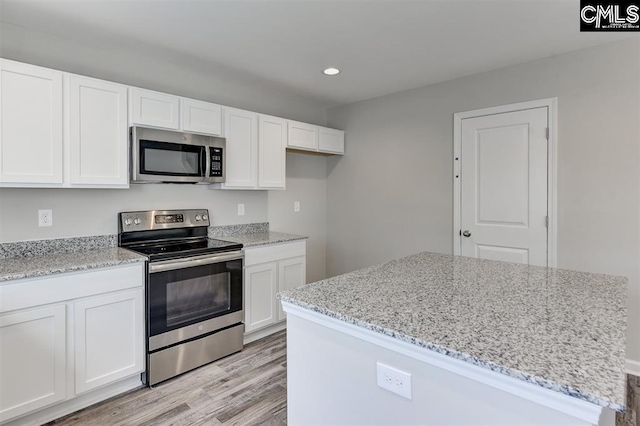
[216,162]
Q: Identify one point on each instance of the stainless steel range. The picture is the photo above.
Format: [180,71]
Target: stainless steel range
[193,293]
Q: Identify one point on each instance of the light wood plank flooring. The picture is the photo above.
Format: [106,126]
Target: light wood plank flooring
[248,388]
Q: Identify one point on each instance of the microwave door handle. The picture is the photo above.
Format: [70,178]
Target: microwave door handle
[207,161]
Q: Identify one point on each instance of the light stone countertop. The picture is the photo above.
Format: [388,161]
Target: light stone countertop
[262,238]
[37,266]
[559,329]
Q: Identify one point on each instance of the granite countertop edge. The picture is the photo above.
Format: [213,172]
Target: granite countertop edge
[263,238]
[112,257]
[511,372]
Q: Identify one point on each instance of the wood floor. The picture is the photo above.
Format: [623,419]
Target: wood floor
[248,388]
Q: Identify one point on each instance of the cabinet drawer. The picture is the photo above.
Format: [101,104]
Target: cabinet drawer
[274,252]
[26,293]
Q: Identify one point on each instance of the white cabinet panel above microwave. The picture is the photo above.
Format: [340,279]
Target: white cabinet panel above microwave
[149,108]
[200,117]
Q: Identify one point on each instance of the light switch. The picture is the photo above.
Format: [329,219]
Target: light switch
[296,206]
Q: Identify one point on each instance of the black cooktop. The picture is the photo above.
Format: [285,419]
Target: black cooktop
[164,250]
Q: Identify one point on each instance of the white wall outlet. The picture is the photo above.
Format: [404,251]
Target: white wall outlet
[394,380]
[45,217]
[240,209]
[296,206]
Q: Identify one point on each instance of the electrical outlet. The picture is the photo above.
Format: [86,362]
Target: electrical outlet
[296,206]
[45,217]
[240,209]
[394,380]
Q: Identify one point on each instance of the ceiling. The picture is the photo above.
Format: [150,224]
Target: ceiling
[381,47]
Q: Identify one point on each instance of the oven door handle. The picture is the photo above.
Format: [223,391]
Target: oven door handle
[170,265]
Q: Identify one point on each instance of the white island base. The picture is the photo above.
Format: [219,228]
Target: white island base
[332,380]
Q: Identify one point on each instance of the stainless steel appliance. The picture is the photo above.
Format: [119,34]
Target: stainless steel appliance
[165,156]
[194,289]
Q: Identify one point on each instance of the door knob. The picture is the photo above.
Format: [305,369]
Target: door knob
[466,233]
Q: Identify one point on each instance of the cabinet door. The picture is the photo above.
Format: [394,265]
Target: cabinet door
[30,124]
[155,109]
[331,140]
[109,339]
[241,132]
[98,132]
[260,290]
[272,145]
[291,274]
[303,136]
[200,117]
[32,360]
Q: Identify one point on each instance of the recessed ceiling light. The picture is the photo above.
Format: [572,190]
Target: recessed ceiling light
[331,71]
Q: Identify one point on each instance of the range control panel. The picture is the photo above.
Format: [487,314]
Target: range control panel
[216,162]
[162,219]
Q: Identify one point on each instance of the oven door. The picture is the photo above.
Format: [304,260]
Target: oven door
[191,297]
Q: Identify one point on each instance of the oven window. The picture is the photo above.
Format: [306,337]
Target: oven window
[162,158]
[182,297]
[199,297]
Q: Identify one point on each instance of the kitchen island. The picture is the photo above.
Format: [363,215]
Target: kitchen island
[484,342]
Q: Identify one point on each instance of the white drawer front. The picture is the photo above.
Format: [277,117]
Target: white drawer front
[274,252]
[20,294]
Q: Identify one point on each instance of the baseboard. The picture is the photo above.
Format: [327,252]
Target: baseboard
[633,367]
[264,332]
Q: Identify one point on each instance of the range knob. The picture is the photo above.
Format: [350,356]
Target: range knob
[198,218]
[205,217]
[136,221]
[127,222]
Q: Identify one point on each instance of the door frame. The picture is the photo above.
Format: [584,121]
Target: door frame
[552,168]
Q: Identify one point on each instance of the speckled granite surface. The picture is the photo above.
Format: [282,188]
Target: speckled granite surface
[36,266]
[59,245]
[263,238]
[562,330]
[252,234]
[247,228]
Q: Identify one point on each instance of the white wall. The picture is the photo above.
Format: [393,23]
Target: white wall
[391,195]
[80,212]
[306,183]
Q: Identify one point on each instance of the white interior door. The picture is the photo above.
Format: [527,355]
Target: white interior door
[503,191]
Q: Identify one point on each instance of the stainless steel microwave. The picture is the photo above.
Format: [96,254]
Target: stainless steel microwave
[165,156]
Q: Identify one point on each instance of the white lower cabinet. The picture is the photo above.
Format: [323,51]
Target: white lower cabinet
[109,340]
[291,274]
[32,359]
[260,303]
[269,270]
[69,340]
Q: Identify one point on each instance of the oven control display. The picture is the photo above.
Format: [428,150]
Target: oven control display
[169,218]
[216,162]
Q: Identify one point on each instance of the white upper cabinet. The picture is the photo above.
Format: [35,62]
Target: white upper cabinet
[97,132]
[303,136]
[331,140]
[308,137]
[200,117]
[30,125]
[149,108]
[241,132]
[272,145]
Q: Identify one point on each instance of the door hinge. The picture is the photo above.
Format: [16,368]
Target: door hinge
[546,221]
[547,133]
